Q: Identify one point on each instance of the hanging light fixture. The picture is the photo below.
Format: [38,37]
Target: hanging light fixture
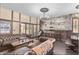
[77,7]
[44,16]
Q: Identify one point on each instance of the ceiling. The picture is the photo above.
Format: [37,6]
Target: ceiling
[33,9]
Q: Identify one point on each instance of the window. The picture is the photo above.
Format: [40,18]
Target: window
[27,29]
[34,29]
[31,29]
[75,23]
[22,28]
[5,27]
[15,27]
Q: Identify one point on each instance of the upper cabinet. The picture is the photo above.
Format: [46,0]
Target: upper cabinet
[5,13]
[25,18]
[33,20]
[15,16]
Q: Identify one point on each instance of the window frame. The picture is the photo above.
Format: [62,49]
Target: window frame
[75,25]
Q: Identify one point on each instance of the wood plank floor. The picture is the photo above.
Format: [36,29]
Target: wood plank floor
[61,49]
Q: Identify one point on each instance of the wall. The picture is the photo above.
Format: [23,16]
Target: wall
[59,23]
[15,25]
[19,22]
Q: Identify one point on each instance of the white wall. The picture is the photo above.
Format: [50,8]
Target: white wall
[62,23]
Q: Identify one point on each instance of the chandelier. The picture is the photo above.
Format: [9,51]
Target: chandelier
[44,16]
[77,7]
